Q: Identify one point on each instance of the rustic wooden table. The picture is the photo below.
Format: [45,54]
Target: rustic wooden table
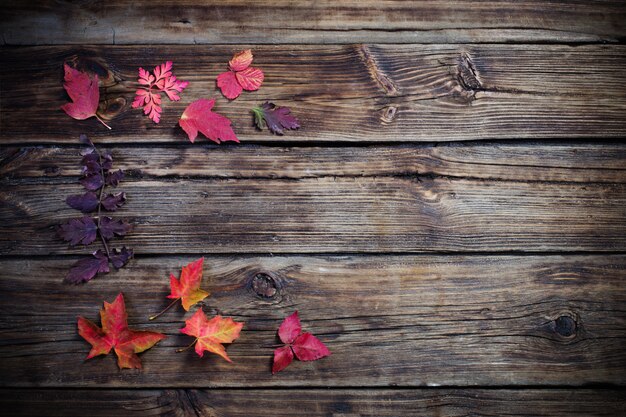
[450,220]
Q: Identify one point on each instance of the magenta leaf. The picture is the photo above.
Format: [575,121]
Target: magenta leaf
[87,268]
[77,231]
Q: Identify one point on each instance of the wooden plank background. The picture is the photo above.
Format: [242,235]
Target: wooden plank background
[450,220]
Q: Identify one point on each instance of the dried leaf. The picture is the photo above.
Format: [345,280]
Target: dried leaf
[121,257]
[188,287]
[275,118]
[84,93]
[86,203]
[198,117]
[110,227]
[87,268]
[113,201]
[116,335]
[303,346]
[240,77]
[75,231]
[210,334]
[149,97]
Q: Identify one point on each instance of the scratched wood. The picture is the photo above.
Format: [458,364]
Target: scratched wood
[312,403]
[357,93]
[519,161]
[322,21]
[388,320]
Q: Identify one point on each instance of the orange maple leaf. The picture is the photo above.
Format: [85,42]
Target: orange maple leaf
[210,334]
[116,335]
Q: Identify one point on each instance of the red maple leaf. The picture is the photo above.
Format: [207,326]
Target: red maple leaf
[116,335]
[304,346]
[162,81]
[187,288]
[198,117]
[240,77]
[210,334]
[84,92]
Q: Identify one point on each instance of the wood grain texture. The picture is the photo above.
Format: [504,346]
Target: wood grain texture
[311,403]
[590,162]
[325,21]
[388,320]
[339,215]
[356,93]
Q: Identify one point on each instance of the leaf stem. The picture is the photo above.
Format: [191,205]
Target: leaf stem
[186,348]
[104,242]
[102,121]
[166,308]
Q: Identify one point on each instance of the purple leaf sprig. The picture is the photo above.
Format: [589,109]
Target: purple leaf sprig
[97,175]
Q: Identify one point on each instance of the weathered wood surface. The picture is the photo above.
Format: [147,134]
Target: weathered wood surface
[359,93]
[313,215]
[325,21]
[312,403]
[388,320]
[590,162]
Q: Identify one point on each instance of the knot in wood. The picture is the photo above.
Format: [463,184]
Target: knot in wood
[264,285]
[565,326]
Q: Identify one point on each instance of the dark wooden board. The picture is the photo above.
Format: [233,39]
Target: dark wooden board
[328,214]
[590,162]
[388,320]
[356,93]
[236,21]
[312,403]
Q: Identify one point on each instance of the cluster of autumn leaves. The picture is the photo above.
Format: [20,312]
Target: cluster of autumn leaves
[209,334]
[199,116]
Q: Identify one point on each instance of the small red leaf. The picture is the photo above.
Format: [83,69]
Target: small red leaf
[210,334]
[309,348]
[240,77]
[227,82]
[188,287]
[198,117]
[290,328]
[250,79]
[283,356]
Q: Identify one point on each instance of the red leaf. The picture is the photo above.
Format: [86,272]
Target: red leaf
[210,334]
[250,78]
[240,77]
[83,90]
[283,356]
[198,117]
[149,97]
[304,346]
[227,82]
[188,288]
[290,328]
[116,335]
[274,117]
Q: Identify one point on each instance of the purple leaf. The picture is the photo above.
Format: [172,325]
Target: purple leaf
[91,168]
[275,118]
[119,258]
[114,178]
[92,182]
[113,201]
[86,203]
[85,140]
[107,161]
[87,268]
[79,231]
[110,227]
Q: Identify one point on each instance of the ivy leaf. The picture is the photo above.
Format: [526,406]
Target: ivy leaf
[303,346]
[149,97]
[113,201]
[274,117]
[84,93]
[210,334]
[86,203]
[87,268]
[110,227]
[240,77]
[77,231]
[116,335]
[198,117]
[119,258]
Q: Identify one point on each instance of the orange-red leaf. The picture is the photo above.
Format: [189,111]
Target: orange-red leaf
[116,335]
[198,117]
[188,287]
[210,334]
[250,79]
[241,60]
[83,90]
